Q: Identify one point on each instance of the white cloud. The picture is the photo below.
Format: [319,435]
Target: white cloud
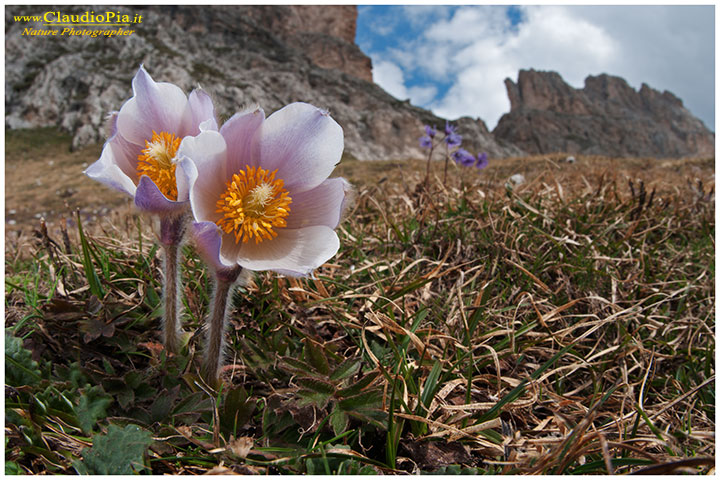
[477,47]
[391,78]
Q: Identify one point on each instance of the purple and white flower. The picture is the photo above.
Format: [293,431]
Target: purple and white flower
[262,200]
[140,157]
[260,194]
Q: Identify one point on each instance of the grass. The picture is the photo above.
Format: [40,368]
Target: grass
[561,326]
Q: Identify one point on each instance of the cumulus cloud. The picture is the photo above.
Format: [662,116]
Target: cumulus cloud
[472,49]
[391,78]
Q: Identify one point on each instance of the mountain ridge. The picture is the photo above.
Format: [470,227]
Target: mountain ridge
[271,56]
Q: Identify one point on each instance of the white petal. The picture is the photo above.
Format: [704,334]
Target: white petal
[107,170]
[239,132]
[207,237]
[322,205]
[159,107]
[202,112]
[208,153]
[297,252]
[302,142]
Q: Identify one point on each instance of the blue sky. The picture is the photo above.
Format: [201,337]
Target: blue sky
[453,59]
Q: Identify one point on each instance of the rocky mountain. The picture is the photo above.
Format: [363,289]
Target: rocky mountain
[606,117]
[241,55]
[274,55]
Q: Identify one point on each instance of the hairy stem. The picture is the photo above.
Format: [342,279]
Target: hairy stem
[170,234]
[171,296]
[427,166]
[224,280]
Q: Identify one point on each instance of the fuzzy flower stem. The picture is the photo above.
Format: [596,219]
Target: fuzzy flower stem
[427,167]
[447,157]
[224,280]
[171,327]
[171,234]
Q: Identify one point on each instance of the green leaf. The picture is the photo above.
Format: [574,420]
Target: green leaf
[12,468]
[92,278]
[120,452]
[316,356]
[191,404]
[364,400]
[431,385]
[162,406]
[316,385]
[308,396]
[346,369]
[20,368]
[236,411]
[358,386]
[338,421]
[296,366]
[91,407]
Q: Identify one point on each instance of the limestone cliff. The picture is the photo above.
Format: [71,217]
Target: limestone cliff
[241,55]
[606,117]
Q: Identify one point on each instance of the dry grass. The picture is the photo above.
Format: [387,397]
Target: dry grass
[564,325]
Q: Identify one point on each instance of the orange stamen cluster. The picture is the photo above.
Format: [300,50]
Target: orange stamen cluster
[254,204]
[156,161]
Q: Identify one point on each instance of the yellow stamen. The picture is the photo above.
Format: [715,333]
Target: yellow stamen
[254,204]
[156,161]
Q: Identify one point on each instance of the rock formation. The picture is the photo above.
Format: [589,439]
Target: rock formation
[606,117]
[241,55]
[274,55]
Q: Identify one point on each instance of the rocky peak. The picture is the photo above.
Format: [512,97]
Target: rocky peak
[241,55]
[606,117]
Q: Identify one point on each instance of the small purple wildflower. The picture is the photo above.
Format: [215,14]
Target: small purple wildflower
[451,138]
[463,157]
[482,161]
[426,142]
[430,131]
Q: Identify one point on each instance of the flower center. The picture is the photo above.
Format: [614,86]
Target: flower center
[156,161]
[254,204]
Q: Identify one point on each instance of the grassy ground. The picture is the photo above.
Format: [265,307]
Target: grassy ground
[564,325]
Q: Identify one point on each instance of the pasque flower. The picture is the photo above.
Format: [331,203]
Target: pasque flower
[262,199]
[140,159]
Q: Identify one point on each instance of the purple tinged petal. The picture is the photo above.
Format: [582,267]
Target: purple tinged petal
[185,175]
[202,112]
[323,205]
[302,142]
[104,171]
[430,131]
[426,142]
[208,241]
[238,133]
[113,167]
[161,107]
[295,252]
[149,198]
[208,154]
